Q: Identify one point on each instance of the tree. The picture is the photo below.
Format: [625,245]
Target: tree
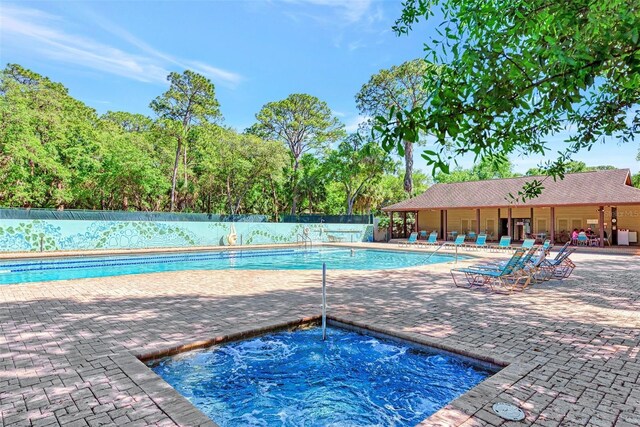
[483,170]
[400,88]
[48,142]
[312,186]
[515,72]
[572,167]
[190,100]
[303,123]
[357,164]
[131,163]
[231,164]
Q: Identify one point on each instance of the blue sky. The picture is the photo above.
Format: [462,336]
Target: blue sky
[115,55]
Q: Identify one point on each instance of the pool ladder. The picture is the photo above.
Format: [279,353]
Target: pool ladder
[306,240]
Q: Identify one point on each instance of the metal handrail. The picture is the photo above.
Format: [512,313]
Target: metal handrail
[305,239]
[440,247]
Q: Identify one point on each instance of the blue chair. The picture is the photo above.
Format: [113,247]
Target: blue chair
[528,243]
[432,240]
[504,244]
[412,240]
[481,242]
[458,242]
[503,277]
[583,240]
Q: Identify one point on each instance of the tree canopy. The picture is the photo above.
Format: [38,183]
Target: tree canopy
[189,100]
[303,123]
[515,72]
[56,152]
[399,88]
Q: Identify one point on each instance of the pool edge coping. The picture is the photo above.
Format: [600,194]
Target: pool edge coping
[456,412]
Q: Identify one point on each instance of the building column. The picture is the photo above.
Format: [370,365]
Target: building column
[533,229]
[509,227]
[552,229]
[444,225]
[390,228]
[417,223]
[404,223]
[498,229]
[601,225]
[477,222]
[614,225]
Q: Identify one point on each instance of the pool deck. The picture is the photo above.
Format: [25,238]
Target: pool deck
[68,348]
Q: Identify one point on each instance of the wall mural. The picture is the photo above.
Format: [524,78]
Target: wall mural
[51,235]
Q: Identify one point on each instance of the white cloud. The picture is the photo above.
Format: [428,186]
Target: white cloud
[353,124]
[349,11]
[39,32]
[218,75]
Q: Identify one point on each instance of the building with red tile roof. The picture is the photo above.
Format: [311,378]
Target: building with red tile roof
[603,200]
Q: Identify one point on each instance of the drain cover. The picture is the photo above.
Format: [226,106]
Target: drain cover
[508,411]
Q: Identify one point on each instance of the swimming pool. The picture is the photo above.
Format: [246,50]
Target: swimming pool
[295,379]
[255,259]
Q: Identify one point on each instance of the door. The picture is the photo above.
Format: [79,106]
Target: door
[504,230]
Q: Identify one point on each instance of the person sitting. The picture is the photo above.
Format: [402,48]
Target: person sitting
[589,232]
[574,237]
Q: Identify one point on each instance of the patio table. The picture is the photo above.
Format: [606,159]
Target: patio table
[540,237]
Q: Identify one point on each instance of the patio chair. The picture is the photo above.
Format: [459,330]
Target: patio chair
[526,258]
[494,278]
[546,246]
[481,242]
[504,244]
[563,249]
[540,270]
[561,266]
[528,243]
[411,240]
[458,242]
[432,240]
[423,235]
[583,240]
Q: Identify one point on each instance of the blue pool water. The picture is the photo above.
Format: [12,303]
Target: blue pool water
[19,271]
[296,379]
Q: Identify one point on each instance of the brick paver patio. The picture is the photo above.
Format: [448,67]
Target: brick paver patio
[67,350]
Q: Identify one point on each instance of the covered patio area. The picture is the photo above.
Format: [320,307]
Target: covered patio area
[601,201]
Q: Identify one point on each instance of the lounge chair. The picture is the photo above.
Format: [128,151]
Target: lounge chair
[423,235]
[528,243]
[458,242]
[412,240]
[561,266]
[432,240]
[526,258]
[503,277]
[481,242]
[529,269]
[546,246]
[504,244]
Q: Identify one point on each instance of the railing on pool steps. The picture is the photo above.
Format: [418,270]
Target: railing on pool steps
[324,301]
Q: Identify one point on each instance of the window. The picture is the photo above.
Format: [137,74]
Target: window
[541,226]
[563,225]
[490,226]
